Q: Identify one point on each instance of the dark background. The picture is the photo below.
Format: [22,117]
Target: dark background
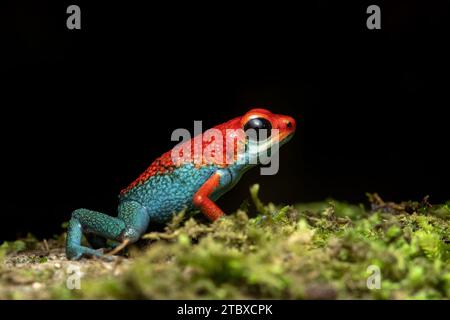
[84,112]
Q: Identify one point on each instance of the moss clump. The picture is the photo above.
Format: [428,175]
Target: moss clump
[322,250]
[313,251]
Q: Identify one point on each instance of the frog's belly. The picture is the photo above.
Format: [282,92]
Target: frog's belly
[167,194]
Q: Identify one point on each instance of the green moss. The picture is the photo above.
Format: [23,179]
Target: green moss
[320,250]
[20,245]
[14,246]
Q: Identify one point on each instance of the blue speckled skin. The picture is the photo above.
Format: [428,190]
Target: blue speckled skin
[164,195]
[160,195]
[156,200]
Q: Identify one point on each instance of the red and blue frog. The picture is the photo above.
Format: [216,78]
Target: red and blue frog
[172,184]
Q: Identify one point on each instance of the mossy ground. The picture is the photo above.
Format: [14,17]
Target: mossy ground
[304,251]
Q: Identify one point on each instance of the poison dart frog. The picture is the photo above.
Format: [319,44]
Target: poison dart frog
[182,179]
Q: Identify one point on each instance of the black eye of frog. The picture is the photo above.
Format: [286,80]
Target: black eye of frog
[257,124]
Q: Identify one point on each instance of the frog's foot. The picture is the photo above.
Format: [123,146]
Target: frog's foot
[126,228]
[76,252]
[91,222]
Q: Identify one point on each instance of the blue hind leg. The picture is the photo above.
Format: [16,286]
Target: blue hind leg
[131,222]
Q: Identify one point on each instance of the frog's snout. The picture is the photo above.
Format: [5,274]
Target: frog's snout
[287,124]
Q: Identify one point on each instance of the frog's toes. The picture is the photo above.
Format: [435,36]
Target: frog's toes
[76,252]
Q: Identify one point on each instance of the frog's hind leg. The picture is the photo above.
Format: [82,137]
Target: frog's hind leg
[95,223]
[130,224]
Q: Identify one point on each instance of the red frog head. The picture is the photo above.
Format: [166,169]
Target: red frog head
[283,126]
[247,137]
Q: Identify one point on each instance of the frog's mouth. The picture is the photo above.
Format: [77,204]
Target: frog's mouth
[279,138]
[285,137]
[269,146]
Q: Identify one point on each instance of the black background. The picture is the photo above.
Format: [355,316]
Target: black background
[84,112]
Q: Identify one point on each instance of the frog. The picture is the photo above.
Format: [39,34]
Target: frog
[185,178]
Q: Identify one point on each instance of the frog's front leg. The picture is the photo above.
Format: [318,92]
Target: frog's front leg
[218,182]
[131,222]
